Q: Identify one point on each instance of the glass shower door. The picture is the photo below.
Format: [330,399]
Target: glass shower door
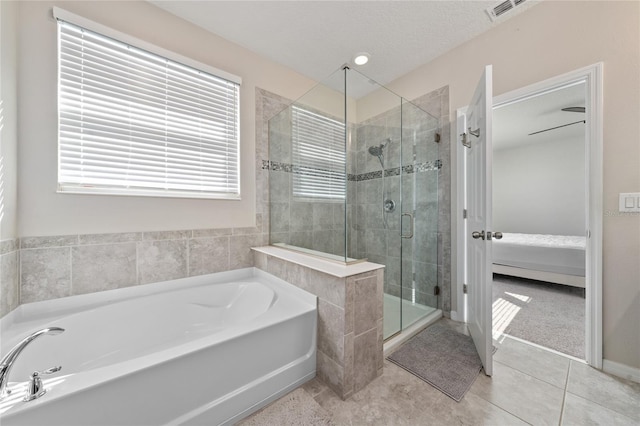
[405,193]
[419,225]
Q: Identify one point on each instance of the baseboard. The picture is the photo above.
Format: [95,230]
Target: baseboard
[453,315]
[551,277]
[621,370]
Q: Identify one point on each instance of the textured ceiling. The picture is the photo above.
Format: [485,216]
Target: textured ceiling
[316,38]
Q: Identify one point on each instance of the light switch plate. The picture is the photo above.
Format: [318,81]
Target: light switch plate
[629,202]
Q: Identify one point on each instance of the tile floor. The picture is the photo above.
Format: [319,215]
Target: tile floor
[530,386]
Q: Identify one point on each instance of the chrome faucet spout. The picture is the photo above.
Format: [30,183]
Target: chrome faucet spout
[9,359]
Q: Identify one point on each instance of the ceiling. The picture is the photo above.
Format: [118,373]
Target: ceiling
[316,38]
[513,123]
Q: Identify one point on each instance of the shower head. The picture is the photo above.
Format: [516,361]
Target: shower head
[376,151]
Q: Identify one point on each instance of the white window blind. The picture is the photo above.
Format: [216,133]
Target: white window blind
[136,123]
[319,156]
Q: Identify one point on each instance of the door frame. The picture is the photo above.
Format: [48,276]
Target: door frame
[593,77]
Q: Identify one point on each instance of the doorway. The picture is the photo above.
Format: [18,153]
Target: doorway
[539,205]
[591,77]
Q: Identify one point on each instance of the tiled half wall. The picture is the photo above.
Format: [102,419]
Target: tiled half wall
[9,284]
[349,348]
[58,266]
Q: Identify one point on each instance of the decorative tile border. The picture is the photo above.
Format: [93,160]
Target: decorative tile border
[395,171]
[369,175]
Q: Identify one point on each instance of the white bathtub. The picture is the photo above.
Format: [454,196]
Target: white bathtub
[204,350]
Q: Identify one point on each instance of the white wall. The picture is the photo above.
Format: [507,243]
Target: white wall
[8,137]
[45,212]
[539,188]
[550,39]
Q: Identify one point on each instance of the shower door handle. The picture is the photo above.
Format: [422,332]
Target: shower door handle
[411,222]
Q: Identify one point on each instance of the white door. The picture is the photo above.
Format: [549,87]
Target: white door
[478,159]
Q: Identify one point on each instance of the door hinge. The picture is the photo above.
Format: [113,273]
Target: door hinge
[436,290]
[464,213]
[464,288]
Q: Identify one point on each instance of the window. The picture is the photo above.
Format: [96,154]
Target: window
[319,156]
[132,122]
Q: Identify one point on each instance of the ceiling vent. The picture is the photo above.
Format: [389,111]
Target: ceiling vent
[502,8]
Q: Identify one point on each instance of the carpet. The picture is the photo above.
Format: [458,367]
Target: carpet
[297,408]
[550,315]
[442,357]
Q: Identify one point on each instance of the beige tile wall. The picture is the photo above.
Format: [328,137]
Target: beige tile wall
[349,348]
[59,266]
[9,291]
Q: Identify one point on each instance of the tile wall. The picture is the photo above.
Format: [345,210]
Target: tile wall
[313,224]
[9,283]
[59,266]
[349,345]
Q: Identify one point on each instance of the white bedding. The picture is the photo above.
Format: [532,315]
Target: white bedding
[549,253]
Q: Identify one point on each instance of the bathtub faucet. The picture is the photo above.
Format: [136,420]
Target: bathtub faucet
[9,359]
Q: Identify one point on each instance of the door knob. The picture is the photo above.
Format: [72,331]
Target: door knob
[476,234]
[497,235]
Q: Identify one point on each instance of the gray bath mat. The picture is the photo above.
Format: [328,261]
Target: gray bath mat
[442,357]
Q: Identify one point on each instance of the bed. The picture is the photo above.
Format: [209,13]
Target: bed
[553,258]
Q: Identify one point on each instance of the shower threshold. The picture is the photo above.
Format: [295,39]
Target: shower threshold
[416,317]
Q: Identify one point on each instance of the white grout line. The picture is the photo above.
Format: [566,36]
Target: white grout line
[566,383]
[564,394]
[497,406]
[70,270]
[19,278]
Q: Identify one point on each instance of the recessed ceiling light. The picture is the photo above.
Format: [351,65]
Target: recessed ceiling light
[361,58]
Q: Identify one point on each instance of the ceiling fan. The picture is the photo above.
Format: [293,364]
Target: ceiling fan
[568,109]
[574,109]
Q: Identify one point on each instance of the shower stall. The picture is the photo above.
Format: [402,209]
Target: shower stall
[353,176]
